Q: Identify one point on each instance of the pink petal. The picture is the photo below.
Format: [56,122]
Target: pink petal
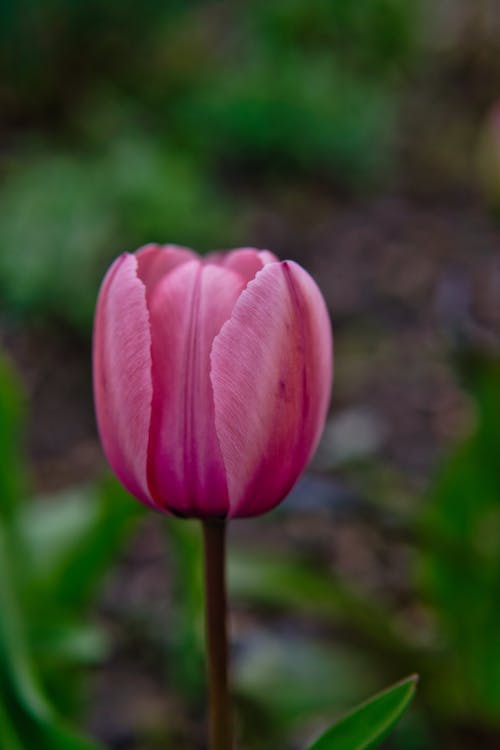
[247,261]
[122,374]
[155,261]
[185,467]
[271,375]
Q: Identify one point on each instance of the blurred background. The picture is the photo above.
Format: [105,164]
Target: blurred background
[363,140]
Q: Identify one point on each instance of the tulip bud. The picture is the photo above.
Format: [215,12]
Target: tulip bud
[212,378]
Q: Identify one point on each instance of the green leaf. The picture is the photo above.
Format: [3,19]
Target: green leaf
[53,526]
[14,660]
[366,726]
[459,564]
[35,723]
[11,413]
[8,737]
[186,638]
[74,539]
[86,564]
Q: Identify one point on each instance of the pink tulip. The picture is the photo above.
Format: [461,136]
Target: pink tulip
[211,376]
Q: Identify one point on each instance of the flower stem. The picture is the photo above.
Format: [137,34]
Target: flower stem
[214,538]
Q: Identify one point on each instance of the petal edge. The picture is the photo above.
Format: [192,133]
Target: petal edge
[271,376]
[122,374]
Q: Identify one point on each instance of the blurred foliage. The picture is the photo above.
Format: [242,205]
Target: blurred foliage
[127,124]
[26,718]
[63,218]
[459,570]
[186,637]
[11,416]
[159,53]
[54,554]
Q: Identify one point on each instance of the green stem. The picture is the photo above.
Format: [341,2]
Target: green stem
[214,537]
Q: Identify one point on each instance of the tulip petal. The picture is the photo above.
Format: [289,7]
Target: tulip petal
[155,261]
[188,308]
[271,375]
[122,374]
[247,261]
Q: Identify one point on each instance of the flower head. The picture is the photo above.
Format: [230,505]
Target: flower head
[212,377]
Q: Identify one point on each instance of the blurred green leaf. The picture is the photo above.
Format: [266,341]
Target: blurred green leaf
[186,639]
[85,209]
[459,567]
[84,566]
[374,37]
[64,641]
[292,584]
[365,727]
[14,659]
[297,113]
[74,538]
[292,679]
[8,737]
[11,413]
[37,725]
[55,736]
[53,524]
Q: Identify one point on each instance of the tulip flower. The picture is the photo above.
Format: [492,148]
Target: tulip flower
[212,378]
[212,381]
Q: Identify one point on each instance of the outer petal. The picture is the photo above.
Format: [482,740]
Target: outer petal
[122,374]
[271,374]
[155,261]
[185,469]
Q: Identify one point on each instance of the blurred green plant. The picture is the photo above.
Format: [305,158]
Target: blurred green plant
[186,637]
[304,87]
[155,133]
[64,217]
[53,556]
[459,566]
[41,45]
[293,114]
